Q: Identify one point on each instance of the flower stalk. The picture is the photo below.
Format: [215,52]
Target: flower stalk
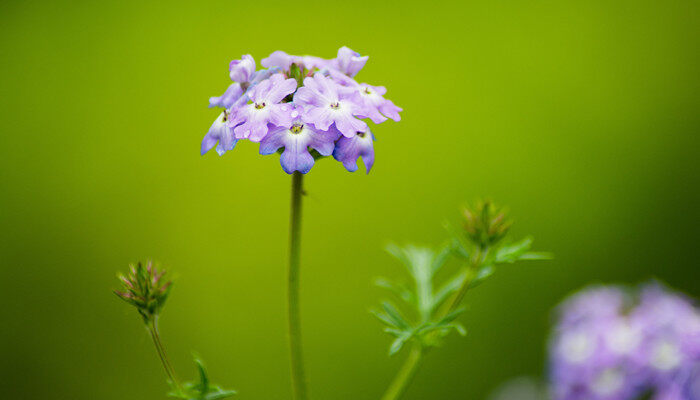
[299,386]
[160,349]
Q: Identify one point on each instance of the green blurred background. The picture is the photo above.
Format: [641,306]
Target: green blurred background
[581,116]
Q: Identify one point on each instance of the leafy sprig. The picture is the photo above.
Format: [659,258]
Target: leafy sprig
[428,310]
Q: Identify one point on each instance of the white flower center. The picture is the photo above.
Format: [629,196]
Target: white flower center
[623,339]
[665,356]
[608,382]
[575,347]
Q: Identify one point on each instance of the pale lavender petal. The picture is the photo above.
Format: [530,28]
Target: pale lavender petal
[349,62]
[226,100]
[391,110]
[277,59]
[320,117]
[323,141]
[300,161]
[306,96]
[273,141]
[280,115]
[349,125]
[280,88]
[348,150]
[242,70]
[220,132]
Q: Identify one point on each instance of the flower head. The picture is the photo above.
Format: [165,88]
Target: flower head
[308,106]
[145,288]
[609,346]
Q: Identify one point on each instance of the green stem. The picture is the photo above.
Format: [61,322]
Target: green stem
[155,335]
[405,375]
[295,346]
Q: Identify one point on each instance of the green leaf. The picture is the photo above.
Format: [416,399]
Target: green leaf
[384,318]
[220,394]
[512,252]
[537,255]
[398,343]
[394,315]
[203,378]
[398,289]
[440,259]
[449,288]
[484,272]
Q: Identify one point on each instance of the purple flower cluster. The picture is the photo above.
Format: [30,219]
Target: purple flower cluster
[610,344]
[302,106]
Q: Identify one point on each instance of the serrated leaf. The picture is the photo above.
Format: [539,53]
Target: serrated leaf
[448,289]
[484,272]
[394,315]
[399,290]
[537,255]
[220,394]
[512,252]
[384,318]
[203,378]
[398,343]
[441,257]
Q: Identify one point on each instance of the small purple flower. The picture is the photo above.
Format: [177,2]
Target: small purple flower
[348,150]
[325,103]
[296,141]
[219,132]
[348,61]
[242,70]
[251,121]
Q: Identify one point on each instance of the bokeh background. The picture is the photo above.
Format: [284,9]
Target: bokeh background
[582,116]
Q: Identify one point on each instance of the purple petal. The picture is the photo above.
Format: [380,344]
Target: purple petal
[226,100]
[273,141]
[348,150]
[220,132]
[277,59]
[280,88]
[349,62]
[242,70]
[391,110]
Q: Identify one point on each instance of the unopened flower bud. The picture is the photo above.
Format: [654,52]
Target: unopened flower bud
[145,288]
[485,224]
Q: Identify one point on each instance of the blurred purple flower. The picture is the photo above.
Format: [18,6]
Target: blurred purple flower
[605,347]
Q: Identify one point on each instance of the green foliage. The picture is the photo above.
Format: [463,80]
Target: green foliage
[202,390]
[423,298]
[429,309]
